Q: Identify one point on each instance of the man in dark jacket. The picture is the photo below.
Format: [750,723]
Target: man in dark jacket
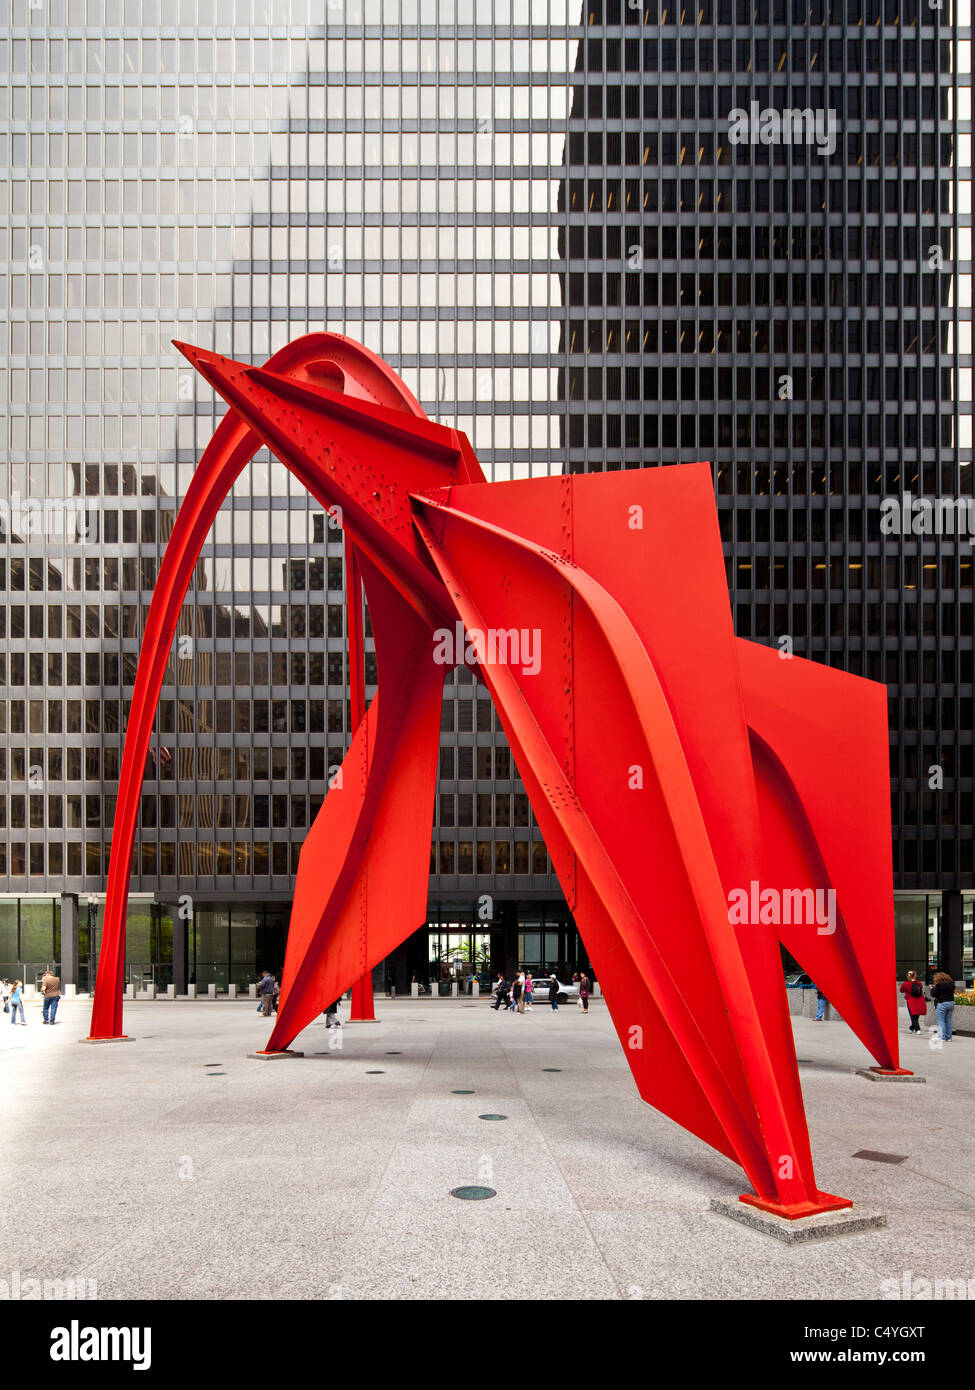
[500,993]
[265,990]
[553,993]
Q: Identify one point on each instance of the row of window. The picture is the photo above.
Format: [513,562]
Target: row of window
[123,620]
[204,14]
[203,859]
[701,195]
[846,623]
[448,248]
[781,431]
[210,764]
[875,386]
[226,812]
[260,859]
[904,335]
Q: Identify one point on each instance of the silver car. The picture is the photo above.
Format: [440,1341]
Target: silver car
[568,994]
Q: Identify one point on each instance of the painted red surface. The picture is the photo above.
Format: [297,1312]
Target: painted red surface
[673,768]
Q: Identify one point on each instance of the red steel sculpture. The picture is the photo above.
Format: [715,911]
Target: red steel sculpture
[698,794]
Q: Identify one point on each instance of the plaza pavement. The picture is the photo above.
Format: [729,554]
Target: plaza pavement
[131,1164]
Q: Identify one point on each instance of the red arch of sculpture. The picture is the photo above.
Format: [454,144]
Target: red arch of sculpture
[674,770]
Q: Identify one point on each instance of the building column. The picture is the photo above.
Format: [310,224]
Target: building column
[69,939]
[506,915]
[951,935]
[180,943]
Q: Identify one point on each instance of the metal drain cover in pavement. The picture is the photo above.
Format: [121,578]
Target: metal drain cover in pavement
[375,1073]
[472,1194]
[216,1073]
[394,1054]
[462,1093]
[551,1068]
[492,1117]
[875,1157]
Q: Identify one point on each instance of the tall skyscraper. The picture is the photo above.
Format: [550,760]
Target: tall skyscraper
[587,236]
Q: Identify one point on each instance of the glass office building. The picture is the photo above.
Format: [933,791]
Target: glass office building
[535,212]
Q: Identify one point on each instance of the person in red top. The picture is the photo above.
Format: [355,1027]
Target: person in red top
[917,1005]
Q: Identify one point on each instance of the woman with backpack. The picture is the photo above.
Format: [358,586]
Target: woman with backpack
[917,1005]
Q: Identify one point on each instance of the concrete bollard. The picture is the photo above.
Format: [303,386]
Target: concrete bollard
[211,991]
[191,991]
[415,990]
[130,991]
[69,991]
[170,991]
[476,990]
[454,991]
[231,991]
[148,993]
[252,991]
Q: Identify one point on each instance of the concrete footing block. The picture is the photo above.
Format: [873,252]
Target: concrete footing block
[875,1074]
[272,1056]
[98,1041]
[231,991]
[211,991]
[191,991]
[848,1221]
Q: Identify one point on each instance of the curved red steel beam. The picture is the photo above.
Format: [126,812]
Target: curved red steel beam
[317,358]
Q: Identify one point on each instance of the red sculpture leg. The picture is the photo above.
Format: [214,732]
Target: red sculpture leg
[363,1010]
[229,451]
[363,872]
[631,739]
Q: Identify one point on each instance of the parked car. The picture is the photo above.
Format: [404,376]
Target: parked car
[568,994]
[798,979]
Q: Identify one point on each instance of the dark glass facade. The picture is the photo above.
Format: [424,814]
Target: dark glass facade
[782,297]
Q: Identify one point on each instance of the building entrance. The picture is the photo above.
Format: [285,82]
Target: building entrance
[458,953]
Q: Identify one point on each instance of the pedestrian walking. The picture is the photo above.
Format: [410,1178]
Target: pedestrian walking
[943,994]
[17,1002]
[51,993]
[332,1019]
[821,1002]
[553,993]
[529,990]
[518,993]
[265,990]
[5,988]
[274,994]
[584,992]
[917,1005]
[501,993]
